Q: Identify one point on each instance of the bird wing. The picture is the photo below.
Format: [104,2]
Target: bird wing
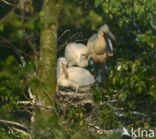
[80,76]
[70,53]
[96,44]
[73,52]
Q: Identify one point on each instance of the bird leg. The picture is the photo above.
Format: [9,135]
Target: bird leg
[76,89]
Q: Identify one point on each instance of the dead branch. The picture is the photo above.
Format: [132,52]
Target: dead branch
[14,124]
[63,34]
[8,3]
[74,99]
[96,129]
[21,131]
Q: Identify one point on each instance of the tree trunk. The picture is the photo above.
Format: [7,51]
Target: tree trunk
[45,93]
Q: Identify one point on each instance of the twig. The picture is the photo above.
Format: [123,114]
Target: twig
[118,113]
[101,131]
[138,113]
[10,4]
[73,37]
[63,34]
[8,42]
[21,131]
[81,40]
[33,104]
[46,92]
[13,123]
[68,40]
[43,106]
[7,15]
[62,46]
[25,102]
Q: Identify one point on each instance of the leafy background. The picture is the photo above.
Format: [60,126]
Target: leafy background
[127,96]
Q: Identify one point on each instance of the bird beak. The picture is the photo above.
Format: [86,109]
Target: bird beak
[86,55]
[65,70]
[109,37]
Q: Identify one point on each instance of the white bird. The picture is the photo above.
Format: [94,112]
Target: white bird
[75,77]
[77,54]
[100,45]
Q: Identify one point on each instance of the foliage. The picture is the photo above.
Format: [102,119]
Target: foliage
[130,77]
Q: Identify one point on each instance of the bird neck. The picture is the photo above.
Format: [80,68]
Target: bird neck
[100,34]
[59,72]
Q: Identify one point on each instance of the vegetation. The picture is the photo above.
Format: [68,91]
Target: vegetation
[127,96]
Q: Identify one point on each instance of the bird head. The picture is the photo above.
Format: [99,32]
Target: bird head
[108,36]
[62,61]
[84,57]
[105,31]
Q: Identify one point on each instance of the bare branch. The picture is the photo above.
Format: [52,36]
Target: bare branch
[3,19]
[13,123]
[63,34]
[101,131]
[21,131]
[10,4]
[33,104]
[9,44]
[25,102]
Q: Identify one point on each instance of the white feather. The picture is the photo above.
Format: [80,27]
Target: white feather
[74,55]
[78,78]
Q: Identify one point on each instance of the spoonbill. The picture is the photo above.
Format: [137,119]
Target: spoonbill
[77,78]
[77,54]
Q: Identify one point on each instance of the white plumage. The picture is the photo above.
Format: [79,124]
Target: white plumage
[75,77]
[100,45]
[77,54]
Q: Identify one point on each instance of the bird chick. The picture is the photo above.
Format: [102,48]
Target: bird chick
[77,54]
[77,78]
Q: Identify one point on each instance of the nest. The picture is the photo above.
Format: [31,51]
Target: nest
[70,98]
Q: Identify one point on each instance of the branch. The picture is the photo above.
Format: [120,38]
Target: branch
[46,92]
[10,4]
[67,99]
[25,102]
[8,44]
[13,123]
[104,131]
[21,131]
[122,114]
[7,15]
[33,104]
[63,34]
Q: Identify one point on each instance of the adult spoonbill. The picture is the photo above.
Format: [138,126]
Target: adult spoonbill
[100,46]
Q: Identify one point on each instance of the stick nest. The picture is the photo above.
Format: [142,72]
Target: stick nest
[67,99]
